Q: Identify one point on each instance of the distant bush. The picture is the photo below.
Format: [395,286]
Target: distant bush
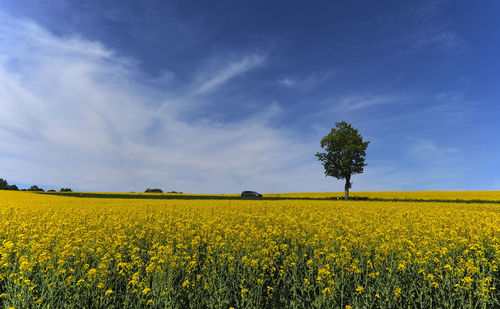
[153,191]
[66,190]
[35,188]
[12,187]
[51,190]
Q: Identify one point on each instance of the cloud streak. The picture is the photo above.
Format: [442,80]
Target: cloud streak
[308,83]
[351,103]
[230,71]
[431,31]
[74,115]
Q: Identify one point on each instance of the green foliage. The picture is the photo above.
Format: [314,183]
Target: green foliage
[35,188]
[345,153]
[4,184]
[66,190]
[153,191]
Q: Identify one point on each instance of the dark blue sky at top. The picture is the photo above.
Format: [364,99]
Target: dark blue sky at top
[419,79]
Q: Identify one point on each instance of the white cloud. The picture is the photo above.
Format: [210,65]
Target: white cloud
[74,115]
[229,71]
[424,148]
[288,82]
[427,149]
[431,30]
[308,83]
[356,102]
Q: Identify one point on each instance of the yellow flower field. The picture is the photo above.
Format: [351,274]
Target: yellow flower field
[404,195]
[70,252]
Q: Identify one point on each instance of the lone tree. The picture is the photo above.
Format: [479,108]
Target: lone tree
[344,153]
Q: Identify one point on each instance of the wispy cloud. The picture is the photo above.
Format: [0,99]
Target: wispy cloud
[74,114]
[427,149]
[308,83]
[424,28]
[228,71]
[432,30]
[452,106]
[288,82]
[352,103]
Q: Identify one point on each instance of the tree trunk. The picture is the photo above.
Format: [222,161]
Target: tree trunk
[347,186]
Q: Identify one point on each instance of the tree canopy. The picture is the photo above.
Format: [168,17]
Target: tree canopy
[345,153]
[35,188]
[4,184]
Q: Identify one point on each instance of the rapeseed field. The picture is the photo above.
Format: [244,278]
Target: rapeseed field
[402,195]
[70,252]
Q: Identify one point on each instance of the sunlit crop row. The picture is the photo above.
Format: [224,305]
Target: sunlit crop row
[389,195]
[409,195]
[68,252]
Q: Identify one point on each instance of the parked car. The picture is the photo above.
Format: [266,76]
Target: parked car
[250,194]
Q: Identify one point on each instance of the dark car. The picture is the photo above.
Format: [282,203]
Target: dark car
[250,194]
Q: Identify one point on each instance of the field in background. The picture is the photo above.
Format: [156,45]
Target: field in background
[445,196]
[68,252]
[402,195]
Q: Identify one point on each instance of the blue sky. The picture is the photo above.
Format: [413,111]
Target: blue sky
[225,96]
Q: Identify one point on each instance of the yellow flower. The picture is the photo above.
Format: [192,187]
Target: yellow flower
[397,292]
[270,291]
[108,292]
[92,272]
[360,289]
[8,245]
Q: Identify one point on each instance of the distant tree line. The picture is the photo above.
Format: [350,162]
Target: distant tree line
[35,188]
[4,185]
[156,190]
